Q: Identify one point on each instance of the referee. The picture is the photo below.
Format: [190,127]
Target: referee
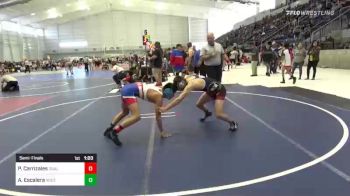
[213,55]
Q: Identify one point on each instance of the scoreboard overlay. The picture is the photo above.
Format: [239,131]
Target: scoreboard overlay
[56,169]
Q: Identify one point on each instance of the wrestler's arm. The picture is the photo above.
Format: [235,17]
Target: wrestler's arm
[178,99]
[157,105]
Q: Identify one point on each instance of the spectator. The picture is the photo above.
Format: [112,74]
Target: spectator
[226,61]
[299,57]
[2,68]
[27,65]
[276,53]
[282,26]
[240,56]
[267,58]
[157,58]
[177,60]
[86,64]
[314,57]
[189,58]
[69,67]
[195,60]
[165,67]
[54,65]
[255,59]
[234,55]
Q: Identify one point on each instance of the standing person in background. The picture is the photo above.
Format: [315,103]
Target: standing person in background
[44,66]
[90,63]
[213,56]
[189,58]
[177,60]
[54,65]
[255,59]
[228,55]
[185,71]
[166,61]
[27,65]
[69,66]
[149,64]
[34,65]
[314,57]
[226,61]
[268,57]
[2,68]
[240,56]
[291,52]
[170,67]
[287,63]
[276,59]
[157,62]
[38,65]
[195,60]
[165,68]
[234,56]
[98,63]
[86,64]
[299,57]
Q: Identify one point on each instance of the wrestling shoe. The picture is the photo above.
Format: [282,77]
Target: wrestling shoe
[207,114]
[114,137]
[107,131]
[233,126]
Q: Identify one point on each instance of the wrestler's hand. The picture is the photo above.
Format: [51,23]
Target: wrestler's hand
[165,134]
[162,109]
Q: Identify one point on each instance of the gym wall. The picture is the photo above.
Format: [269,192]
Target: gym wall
[118,30]
[16,46]
[198,31]
[335,59]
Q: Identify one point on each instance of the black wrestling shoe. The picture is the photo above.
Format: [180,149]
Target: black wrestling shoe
[108,131]
[294,80]
[207,114]
[114,137]
[233,126]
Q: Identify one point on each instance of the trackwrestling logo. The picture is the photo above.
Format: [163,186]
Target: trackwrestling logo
[309,13]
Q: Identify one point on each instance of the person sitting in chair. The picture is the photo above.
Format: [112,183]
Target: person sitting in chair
[122,77]
[9,83]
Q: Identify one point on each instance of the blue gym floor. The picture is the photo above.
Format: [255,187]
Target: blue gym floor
[281,148]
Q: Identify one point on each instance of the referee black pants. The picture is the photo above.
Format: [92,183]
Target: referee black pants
[214,72]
